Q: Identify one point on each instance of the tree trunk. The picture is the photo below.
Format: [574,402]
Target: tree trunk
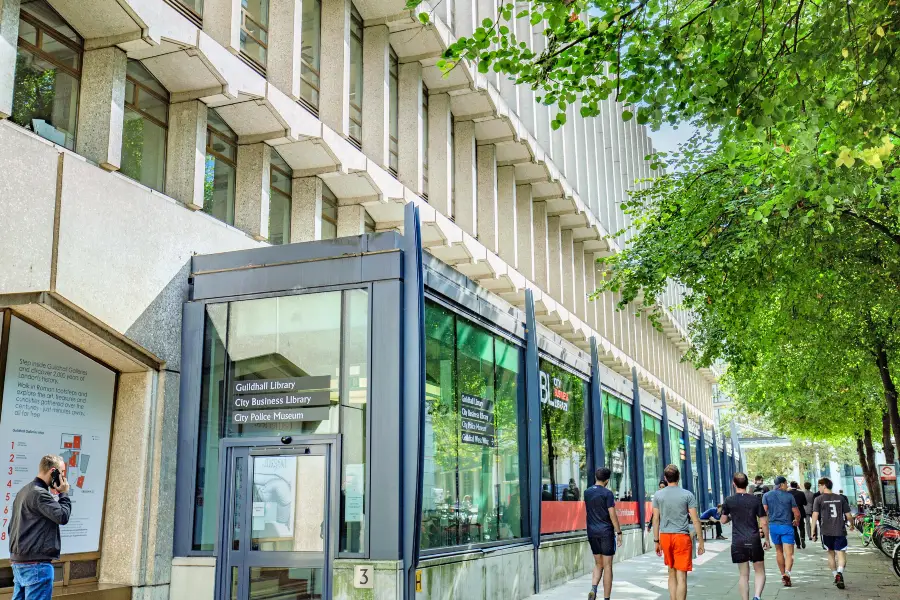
[890,390]
[872,476]
[886,442]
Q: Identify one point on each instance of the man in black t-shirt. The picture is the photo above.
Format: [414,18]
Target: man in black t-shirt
[799,529]
[604,533]
[831,513]
[747,515]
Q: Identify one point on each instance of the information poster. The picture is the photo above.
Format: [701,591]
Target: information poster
[56,401]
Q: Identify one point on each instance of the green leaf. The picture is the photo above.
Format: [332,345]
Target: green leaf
[627,115]
[424,17]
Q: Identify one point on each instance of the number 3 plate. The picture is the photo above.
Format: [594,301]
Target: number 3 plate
[364,577]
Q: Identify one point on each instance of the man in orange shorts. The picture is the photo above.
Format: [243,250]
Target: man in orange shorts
[674,510]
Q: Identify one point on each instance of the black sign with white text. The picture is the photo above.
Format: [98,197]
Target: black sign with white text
[280,415]
[259,401]
[477,420]
[276,386]
[290,400]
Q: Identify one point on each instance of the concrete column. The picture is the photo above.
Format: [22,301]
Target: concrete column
[588,172]
[465,18]
[306,209]
[557,141]
[334,97]
[526,94]
[541,244]
[487,197]
[567,270]
[351,220]
[186,153]
[554,253]
[571,151]
[542,111]
[605,186]
[222,22]
[410,131]
[376,91]
[525,235]
[251,198]
[464,155]
[578,291]
[508,215]
[9,34]
[440,154]
[283,56]
[101,110]
[594,307]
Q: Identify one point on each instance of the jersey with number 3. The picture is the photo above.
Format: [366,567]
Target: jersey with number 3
[831,509]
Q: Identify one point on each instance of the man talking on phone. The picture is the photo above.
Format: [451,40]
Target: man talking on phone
[34,530]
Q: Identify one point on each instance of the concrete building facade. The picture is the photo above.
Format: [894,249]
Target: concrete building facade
[137,135]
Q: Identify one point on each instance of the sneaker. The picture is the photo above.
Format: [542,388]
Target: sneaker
[786,580]
[839,581]
[721,537]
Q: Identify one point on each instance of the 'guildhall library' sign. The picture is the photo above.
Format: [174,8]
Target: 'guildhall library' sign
[280,400]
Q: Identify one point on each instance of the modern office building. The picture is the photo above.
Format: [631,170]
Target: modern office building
[307,318]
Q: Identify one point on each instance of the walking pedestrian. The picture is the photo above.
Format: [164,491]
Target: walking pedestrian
[604,532]
[759,489]
[674,511]
[807,492]
[747,515]
[831,513]
[800,529]
[34,530]
[781,507]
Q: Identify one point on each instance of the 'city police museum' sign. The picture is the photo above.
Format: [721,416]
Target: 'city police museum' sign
[280,400]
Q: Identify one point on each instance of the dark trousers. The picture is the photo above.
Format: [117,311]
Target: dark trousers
[800,533]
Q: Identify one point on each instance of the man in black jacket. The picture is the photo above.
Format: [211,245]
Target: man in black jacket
[34,530]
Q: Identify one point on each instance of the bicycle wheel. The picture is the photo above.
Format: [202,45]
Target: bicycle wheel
[897,561]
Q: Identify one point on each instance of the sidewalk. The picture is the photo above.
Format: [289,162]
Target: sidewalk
[868,575]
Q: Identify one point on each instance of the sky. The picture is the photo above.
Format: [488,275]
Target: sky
[668,138]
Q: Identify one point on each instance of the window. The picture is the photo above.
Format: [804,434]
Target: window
[709,469]
[146,126]
[676,451]
[267,339]
[452,168]
[310,54]
[356,75]
[424,142]
[255,30]
[221,168]
[193,9]
[279,200]
[329,214]
[617,436]
[48,74]
[563,450]
[472,478]
[394,160]
[369,225]
[695,466]
[653,467]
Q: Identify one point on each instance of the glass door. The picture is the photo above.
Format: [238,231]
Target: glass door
[275,543]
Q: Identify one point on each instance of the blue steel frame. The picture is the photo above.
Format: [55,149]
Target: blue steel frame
[637,420]
[714,469]
[704,468]
[596,414]
[413,352]
[688,465]
[533,416]
[666,437]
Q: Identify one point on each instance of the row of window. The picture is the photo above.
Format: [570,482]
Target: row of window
[45,100]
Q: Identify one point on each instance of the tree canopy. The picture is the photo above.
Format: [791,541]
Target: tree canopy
[783,221]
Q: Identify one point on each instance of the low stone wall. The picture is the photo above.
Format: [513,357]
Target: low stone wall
[567,558]
[488,574]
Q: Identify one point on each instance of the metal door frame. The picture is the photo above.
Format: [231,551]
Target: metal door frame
[252,447]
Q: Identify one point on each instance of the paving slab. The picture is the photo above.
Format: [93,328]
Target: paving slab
[868,576]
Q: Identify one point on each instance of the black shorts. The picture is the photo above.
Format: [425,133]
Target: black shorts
[751,551]
[603,545]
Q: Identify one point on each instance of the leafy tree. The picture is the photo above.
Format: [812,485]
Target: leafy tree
[769,462]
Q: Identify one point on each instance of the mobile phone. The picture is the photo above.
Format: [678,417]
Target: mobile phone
[55,481]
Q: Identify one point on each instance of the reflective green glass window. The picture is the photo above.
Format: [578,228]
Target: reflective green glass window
[255,30]
[563,449]
[310,53]
[146,127]
[356,75]
[653,466]
[48,75]
[329,214]
[279,200]
[394,91]
[221,169]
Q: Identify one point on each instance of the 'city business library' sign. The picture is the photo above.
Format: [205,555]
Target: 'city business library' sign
[280,400]
[554,396]
[476,420]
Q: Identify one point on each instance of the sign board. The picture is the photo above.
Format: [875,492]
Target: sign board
[888,477]
[285,400]
[476,420]
[363,577]
[58,401]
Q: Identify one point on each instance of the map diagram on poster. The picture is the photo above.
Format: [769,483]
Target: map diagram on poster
[57,401]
